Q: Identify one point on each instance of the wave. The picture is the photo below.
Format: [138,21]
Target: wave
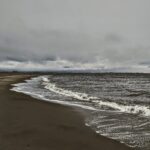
[134,109]
[21,88]
[52,87]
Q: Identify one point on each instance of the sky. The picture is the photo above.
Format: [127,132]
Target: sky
[103,35]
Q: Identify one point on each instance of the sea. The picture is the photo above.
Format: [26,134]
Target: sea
[118,103]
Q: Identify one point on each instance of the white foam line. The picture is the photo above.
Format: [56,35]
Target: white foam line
[76,95]
[106,125]
[143,124]
[40,97]
[128,109]
[137,109]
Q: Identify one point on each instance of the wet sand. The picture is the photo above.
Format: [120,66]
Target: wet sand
[29,124]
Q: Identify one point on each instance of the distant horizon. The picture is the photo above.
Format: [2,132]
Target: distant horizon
[45,72]
[65,65]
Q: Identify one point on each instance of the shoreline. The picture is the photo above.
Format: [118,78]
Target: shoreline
[28,123]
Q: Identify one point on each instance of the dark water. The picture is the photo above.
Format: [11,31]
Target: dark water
[119,103]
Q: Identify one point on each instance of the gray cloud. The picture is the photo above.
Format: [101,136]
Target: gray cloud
[99,33]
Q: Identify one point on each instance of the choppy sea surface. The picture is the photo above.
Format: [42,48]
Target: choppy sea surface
[119,104]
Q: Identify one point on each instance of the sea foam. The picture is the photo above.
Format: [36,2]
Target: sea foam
[135,109]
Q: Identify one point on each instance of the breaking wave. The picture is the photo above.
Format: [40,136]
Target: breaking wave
[136,109]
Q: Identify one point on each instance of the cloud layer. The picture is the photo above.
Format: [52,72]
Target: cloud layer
[50,34]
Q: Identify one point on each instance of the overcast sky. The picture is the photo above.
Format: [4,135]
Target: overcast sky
[75,34]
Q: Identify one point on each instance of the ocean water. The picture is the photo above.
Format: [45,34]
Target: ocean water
[119,104]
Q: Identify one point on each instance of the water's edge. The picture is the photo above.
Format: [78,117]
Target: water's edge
[97,119]
[83,111]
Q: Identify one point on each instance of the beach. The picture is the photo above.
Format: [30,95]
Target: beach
[27,123]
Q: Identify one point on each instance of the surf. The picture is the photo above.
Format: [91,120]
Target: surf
[136,109]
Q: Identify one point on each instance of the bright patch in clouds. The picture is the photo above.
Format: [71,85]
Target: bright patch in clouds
[65,65]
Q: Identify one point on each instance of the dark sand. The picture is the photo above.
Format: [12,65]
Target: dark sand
[29,124]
